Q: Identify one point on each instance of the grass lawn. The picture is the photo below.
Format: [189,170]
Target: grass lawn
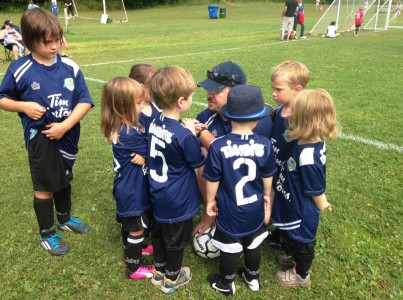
[359,245]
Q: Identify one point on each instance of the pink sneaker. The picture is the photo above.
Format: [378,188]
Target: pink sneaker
[143,272]
[148,250]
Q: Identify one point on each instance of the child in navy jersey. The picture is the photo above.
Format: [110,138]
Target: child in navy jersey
[51,97]
[142,73]
[300,187]
[173,154]
[240,166]
[121,105]
[287,80]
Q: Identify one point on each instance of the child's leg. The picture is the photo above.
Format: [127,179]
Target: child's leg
[252,263]
[174,263]
[304,256]
[43,206]
[134,245]
[228,262]
[160,257]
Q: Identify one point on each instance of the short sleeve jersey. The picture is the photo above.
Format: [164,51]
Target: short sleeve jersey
[129,186]
[282,143]
[301,177]
[239,162]
[58,88]
[358,17]
[145,120]
[219,127]
[174,152]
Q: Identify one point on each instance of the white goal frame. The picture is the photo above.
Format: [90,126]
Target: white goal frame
[378,15]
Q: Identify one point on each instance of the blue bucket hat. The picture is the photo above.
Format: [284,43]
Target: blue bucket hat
[245,103]
[223,75]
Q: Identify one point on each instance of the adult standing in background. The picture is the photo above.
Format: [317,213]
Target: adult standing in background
[289,11]
[70,8]
[299,18]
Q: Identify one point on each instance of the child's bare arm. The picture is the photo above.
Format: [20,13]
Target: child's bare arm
[321,202]
[211,190]
[137,159]
[56,131]
[268,203]
[31,109]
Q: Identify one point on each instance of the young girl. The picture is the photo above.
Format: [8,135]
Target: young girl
[121,106]
[299,192]
[142,73]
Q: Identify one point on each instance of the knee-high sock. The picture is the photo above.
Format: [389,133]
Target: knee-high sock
[174,263]
[44,215]
[133,252]
[228,262]
[63,204]
[252,263]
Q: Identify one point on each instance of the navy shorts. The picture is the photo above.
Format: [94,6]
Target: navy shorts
[174,236]
[49,171]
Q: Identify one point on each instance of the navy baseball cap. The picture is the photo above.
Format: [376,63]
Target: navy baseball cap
[223,75]
[245,103]
[8,22]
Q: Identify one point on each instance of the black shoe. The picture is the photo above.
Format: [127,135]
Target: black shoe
[215,283]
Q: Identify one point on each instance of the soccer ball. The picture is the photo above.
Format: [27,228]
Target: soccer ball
[203,246]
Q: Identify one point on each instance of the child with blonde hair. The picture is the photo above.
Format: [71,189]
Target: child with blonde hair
[173,154]
[287,80]
[300,188]
[121,106]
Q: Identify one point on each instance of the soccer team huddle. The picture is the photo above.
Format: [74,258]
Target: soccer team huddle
[249,165]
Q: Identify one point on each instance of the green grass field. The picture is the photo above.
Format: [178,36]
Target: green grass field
[359,245]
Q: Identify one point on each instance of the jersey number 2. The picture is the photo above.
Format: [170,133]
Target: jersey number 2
[240,199]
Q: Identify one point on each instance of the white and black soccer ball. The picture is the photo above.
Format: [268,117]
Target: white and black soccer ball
[203,246]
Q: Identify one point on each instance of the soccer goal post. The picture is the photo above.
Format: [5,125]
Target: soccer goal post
[111,11]
[376,15]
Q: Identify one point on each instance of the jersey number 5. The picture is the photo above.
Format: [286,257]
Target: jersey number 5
[154,153]
[240,199]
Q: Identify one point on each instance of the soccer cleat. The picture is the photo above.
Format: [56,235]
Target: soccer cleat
[290,278]
[143,272]
[168,286]
[303,37]
[158,278]
[147,250]
[74,225]
[285,261]
[253,284]
[215,283]
[54,245]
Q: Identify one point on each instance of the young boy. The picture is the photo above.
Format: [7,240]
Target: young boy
[54,8]
[173,154]
[358,20]
[299,192]
[240,166]
[287,80]
[51,97]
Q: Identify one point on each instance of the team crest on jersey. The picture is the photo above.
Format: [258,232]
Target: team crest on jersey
[287,136]
[291,164]
[35,86]
[69,84]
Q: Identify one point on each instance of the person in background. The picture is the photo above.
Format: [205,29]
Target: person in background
[358,20]
[331,31]
[70,8]
[32,5]
[300,19]
[54,9]
[287,18]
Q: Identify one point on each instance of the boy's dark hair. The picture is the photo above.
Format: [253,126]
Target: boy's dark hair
[37,25]
[333,23]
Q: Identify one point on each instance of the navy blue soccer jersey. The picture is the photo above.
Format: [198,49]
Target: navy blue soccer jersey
[130,188]
[58,88]
[239,162]
[282,143]
[219,127]
[174,152]
[145,120]
[301,177]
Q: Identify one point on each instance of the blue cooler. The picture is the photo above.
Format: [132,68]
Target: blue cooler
[213,11]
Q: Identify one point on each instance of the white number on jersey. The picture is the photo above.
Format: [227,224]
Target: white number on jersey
[240,199]
[154,153]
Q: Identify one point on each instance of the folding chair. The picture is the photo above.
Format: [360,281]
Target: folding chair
[8,53]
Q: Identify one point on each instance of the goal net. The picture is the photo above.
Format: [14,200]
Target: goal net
[377,14]
[109,10]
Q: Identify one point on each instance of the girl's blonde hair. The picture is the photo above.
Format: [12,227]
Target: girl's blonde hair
[169,84]
[118,106]
[313,116]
